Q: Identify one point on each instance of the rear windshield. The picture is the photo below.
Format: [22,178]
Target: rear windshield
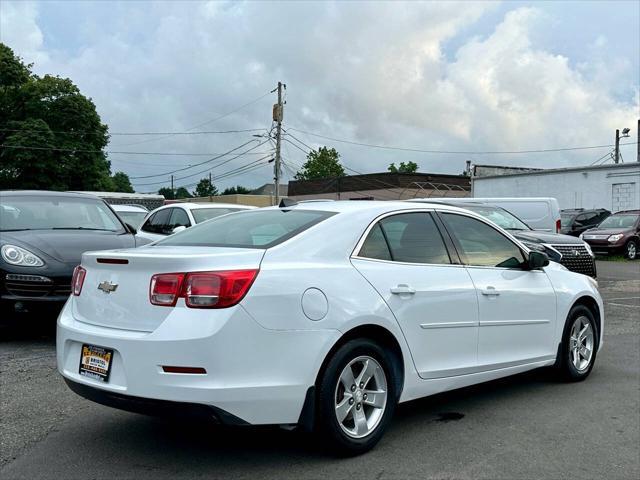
[202,214]
[566,219]
[248,229]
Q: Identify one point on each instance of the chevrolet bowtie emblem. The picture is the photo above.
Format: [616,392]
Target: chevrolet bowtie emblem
[107,287]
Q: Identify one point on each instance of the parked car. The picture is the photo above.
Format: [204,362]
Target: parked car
[541,213]
[134,215]
[42,236]
[175,217]
[619,233]
[256,318]
[577,220]
[569,251]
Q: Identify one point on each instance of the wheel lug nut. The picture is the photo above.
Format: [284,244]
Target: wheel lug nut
[358,406]
[353,388]
[364,396]
[351,401]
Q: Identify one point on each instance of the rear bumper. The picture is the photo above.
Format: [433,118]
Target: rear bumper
[154,407]
[256,375]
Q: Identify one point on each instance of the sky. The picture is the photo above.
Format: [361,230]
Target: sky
[437,76]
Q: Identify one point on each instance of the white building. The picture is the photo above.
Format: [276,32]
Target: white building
[614,187]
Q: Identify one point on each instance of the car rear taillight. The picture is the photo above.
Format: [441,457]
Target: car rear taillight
[201,289]
[165,289]
[558,226]
[78,280]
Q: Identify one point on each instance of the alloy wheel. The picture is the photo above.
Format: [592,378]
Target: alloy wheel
[631,250]
[361,396]
[581,344]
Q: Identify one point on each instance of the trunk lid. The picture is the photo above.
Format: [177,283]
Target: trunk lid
[123,301]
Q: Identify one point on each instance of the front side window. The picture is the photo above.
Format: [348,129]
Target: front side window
[481,244]
[179,218]
[408,238]
[248,229]
[158,222]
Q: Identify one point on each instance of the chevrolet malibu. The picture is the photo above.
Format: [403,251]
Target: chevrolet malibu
[323,315]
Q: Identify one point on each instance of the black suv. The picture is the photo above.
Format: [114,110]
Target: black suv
[574,221]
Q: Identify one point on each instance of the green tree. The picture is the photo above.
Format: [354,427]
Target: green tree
[205,188]
[321,163]
[182,192]
[167,193]
[121,183]
[52,135]
[409,167]
[237,190]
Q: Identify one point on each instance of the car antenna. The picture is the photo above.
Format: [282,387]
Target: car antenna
[287,202]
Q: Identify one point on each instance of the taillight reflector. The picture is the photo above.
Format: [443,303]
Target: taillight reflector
[78,280]
[201,289]
[114,261]
[191,370]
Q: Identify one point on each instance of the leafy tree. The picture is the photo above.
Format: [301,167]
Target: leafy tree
[182,192]
[205,188]
[237,190]
[56,134]
[167,193]
[321,163]
[409,167]
[121,183]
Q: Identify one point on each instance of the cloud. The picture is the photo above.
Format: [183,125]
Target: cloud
[370,72]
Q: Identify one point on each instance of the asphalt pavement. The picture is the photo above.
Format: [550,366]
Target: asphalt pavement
[527,426]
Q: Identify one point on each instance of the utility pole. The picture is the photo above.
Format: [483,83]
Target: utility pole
[616,156]
[172,184]
[638,143]
[278,111]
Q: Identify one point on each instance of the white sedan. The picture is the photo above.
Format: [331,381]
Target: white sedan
[323,315]
[170,219]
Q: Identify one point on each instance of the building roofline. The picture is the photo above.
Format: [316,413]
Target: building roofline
[562,170]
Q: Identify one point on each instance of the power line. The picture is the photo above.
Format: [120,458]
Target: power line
[142,163]
[220,117]
[109,152]
[457,152]
[206,161]
[111,134]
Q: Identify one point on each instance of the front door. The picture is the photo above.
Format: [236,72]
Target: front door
[405,258]
[517,306]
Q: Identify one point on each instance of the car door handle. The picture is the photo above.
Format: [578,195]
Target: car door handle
[403,288]
[490,291]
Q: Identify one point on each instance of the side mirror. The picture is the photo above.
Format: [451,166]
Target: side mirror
[537,260]
[131,228]
[179,228]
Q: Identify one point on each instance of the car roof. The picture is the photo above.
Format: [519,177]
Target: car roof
[198,206]
[128,208]
[380,206]
[45,193]
[627,212]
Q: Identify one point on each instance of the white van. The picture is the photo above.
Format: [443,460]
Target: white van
[541,213]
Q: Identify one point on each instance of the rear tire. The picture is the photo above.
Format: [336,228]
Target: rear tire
[631,250]
[356,397]
[579,345]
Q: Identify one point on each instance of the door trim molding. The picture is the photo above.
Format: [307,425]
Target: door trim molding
[501,323]
[428,326]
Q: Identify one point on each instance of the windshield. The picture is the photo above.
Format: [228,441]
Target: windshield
[203,214]
[619,221]
[132,218]
[248,229]
[499,216]
[56,213]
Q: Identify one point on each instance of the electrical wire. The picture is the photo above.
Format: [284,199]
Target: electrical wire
[110,152]
[133,134]
[457,152]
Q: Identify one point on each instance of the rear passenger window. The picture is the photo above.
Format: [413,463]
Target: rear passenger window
[158,222]
[407,237]
[481,244]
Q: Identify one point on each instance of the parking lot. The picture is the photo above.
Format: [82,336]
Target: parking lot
[528,426]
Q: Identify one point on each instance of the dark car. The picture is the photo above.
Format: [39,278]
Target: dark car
[619,233]
[42,237]
[569,251]
[574,221]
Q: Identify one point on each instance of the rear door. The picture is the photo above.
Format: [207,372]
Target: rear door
[155,227]
[517,306]
[405,257]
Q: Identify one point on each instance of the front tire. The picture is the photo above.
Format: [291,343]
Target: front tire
[631,250]
[579,345]
[357,397]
